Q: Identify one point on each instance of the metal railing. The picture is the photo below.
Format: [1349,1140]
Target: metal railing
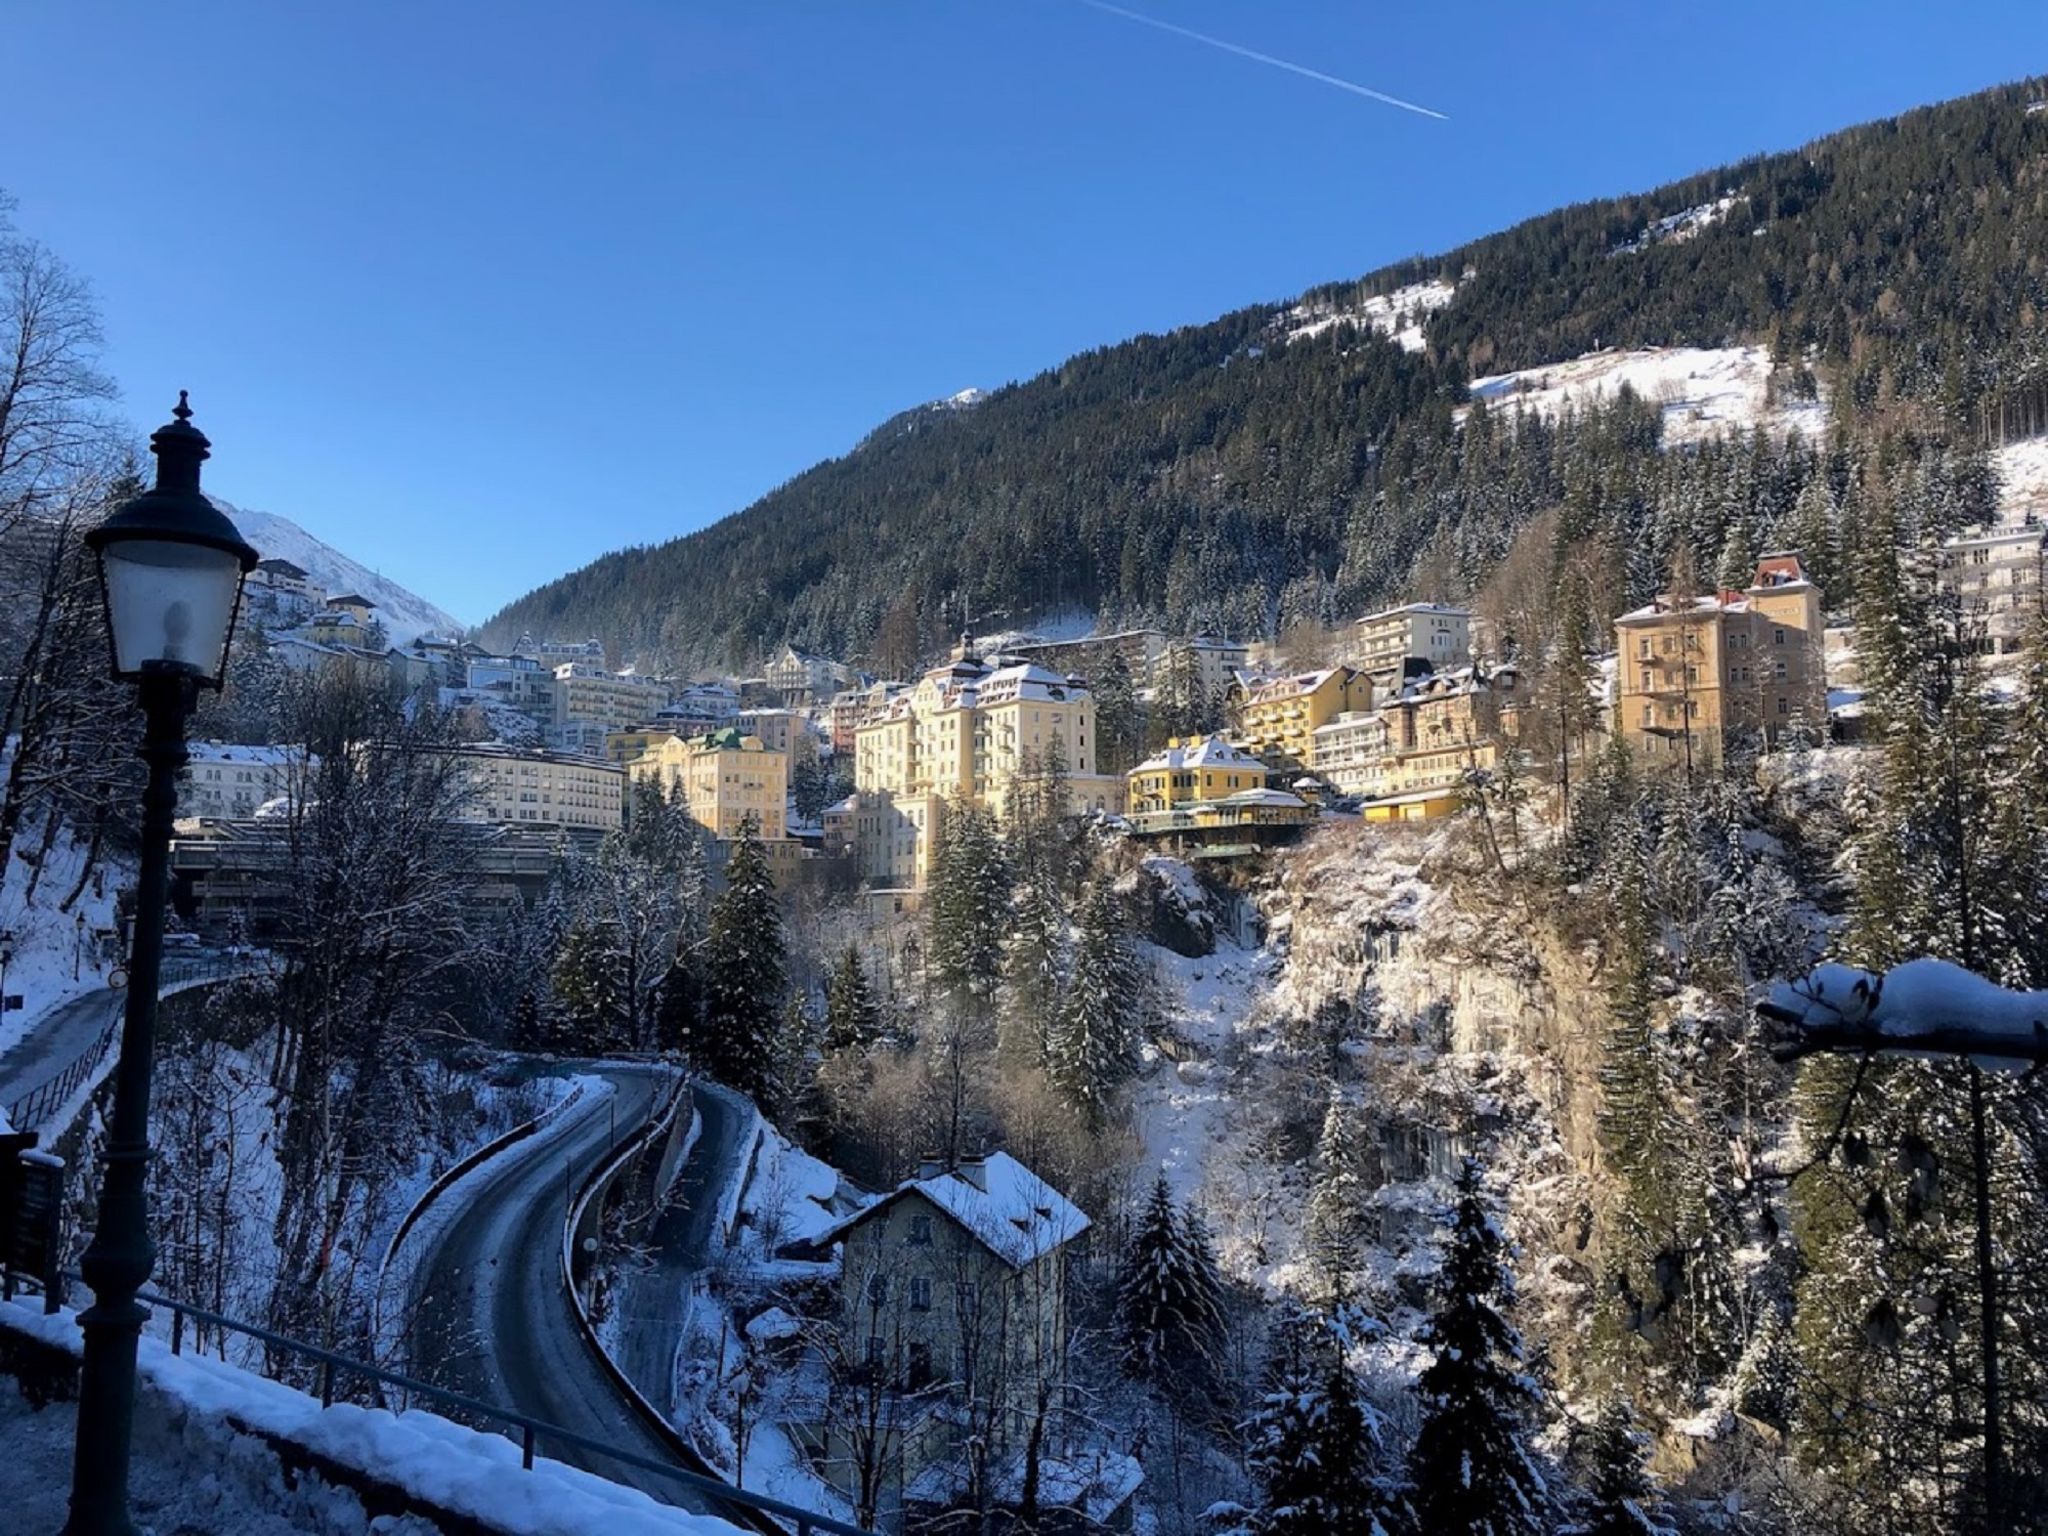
[179,972]
[530,1431]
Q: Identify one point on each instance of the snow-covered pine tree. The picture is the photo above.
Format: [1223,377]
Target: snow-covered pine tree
[1169,1297]
[737,1041]
[852,1020]
[590,984]
[1034,967]
[1619,1497]
[1471,1472]
[1336,1223]
[1094,1045]
[968,906]
[1313,1442]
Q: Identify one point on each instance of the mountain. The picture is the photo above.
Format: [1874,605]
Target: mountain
[405,616]
[1880,289]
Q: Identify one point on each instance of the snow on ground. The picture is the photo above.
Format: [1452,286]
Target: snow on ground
[790,1198]
[1399,315]
[202,1464]
[1678,227]
[2022,480]
[1182,1108]
[49,945]
[1703,390]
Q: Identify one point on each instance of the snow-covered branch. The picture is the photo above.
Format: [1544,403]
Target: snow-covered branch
[1921,1008]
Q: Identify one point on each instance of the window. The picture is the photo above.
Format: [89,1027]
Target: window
[920,1293]
[877,1349]
[1646,679]
[920,1226]
[1643,647]
[1777,637]
[1784,706]
[878,1290]
[920,1373]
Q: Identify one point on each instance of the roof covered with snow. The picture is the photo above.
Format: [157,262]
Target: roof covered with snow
[999,1202]
[1203,752]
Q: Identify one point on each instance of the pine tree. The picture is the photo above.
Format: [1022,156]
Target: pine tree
[1169,1298]
[1094,1045]
[1620,1499]
[1471,1471]
[968,906]
[1336,1224]
[1314,1443]
[1034,966]
[744,976]
[852,1020]
[590,983]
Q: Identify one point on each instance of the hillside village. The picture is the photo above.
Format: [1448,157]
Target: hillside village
[1302,1019]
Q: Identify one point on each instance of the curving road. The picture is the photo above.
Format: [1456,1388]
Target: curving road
[495,1320]
[654,1302]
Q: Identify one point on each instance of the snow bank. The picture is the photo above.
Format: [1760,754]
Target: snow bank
[2022,480]
[204,1424]
[1703,390]
[1678,228]
[55,956]
[1399,316]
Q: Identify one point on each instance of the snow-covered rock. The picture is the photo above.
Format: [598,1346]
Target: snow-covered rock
[1174,910]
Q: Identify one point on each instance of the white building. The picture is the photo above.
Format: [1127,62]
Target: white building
[1995,576]
[226,782]
[1384,642]
[1352,753]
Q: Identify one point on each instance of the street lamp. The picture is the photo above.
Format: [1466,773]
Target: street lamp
[171,570]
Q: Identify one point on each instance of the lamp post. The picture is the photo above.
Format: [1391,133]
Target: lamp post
[171,570]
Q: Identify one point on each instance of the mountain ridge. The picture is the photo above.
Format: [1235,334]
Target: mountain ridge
[406,615]
[1252,470]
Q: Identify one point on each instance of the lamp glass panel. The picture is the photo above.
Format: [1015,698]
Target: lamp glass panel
[170,602]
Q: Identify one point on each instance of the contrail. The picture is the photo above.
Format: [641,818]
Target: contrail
[1265,58]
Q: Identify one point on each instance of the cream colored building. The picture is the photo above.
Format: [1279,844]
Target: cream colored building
[955,1281]
[1351,753]
[588,695]
[527,788]
[1995,577]
[777,728]
[1276,719]
[1383,642]
[966,730]
[1445,725]
[724,777]
[1693,672]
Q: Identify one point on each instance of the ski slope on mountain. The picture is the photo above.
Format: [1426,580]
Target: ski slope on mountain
[406,616]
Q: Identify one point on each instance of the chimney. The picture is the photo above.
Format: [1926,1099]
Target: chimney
[975,1171]
[929,1168]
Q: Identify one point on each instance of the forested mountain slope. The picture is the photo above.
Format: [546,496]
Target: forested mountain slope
[1263,469]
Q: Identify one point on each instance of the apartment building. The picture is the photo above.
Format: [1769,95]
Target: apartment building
[1276,718]
[724,777]
[627,747]
[1995,577]
[965,729]
[587,694]
[286,580]
[1351,752]
[802,678]
[223,781]
[777,728]
[1383,643]
[521,787]
[1192,769]
[1693,672]
[1442,726]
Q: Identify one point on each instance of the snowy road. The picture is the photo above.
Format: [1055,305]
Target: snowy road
[495,1320]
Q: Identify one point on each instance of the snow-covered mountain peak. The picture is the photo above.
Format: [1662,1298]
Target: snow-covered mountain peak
[406,616]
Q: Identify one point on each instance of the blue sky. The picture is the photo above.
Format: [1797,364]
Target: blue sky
[477,292]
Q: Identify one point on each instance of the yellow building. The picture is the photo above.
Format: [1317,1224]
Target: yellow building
[1276,719]
[628,747]
[529,788]
[965,730]
[1197,768]
[1693,672]
[724,778]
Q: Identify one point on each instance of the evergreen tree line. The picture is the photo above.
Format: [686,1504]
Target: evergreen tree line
[1225,478]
